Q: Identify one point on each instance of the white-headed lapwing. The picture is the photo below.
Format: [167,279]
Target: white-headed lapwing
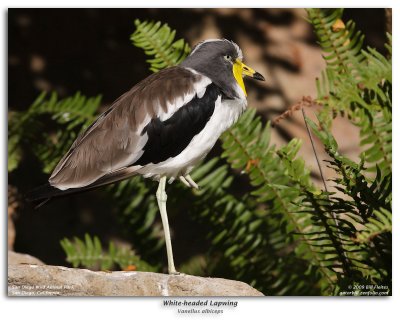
[160,129]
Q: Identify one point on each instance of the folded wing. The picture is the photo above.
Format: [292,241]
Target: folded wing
[115,141]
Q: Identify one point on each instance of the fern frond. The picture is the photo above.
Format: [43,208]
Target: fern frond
[21,127]
[367,194]
[246,240]
[74,114]
[376,139]
[90,254]
[317,217]
[14,143]
[279,187]
[158,41]
[366,197]
[377,225]
[340,42]
[357,83]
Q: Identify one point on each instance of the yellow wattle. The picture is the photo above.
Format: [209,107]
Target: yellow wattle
[237,73]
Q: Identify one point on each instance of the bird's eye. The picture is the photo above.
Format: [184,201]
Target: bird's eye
[228,57]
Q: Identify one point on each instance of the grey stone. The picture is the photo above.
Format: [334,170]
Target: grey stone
[21,258]
[44,280]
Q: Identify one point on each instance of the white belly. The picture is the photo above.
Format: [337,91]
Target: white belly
[225,114]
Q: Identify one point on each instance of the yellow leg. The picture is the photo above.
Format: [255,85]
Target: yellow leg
[182,178]
[191,182]
[162,205]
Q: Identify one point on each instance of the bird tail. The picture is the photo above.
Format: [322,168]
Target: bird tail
[43,194]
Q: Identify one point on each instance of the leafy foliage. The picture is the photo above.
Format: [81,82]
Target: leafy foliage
[321,227]
[357,83]
[89,253]
[382,223]
[357,262]
[267,223]
[73,113]
[157,40]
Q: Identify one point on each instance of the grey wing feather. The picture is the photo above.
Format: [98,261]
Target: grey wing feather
[114,141]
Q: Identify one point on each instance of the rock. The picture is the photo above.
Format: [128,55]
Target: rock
[20,258]
[44,280]
[12,208]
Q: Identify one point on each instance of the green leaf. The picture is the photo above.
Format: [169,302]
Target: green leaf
[90,254]
[157,41]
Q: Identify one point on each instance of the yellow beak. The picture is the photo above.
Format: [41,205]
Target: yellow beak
[240,70]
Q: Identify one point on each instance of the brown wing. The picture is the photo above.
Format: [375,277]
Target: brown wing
[114,140]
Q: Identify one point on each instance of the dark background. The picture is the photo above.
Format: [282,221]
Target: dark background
[89,50]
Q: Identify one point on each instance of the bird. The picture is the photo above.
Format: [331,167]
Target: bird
[160,129]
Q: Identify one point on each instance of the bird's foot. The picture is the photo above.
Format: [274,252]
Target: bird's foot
[188,181]
[175,273]
[184,181]
[191,182]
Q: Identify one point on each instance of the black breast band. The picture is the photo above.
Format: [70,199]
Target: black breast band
[170,137]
